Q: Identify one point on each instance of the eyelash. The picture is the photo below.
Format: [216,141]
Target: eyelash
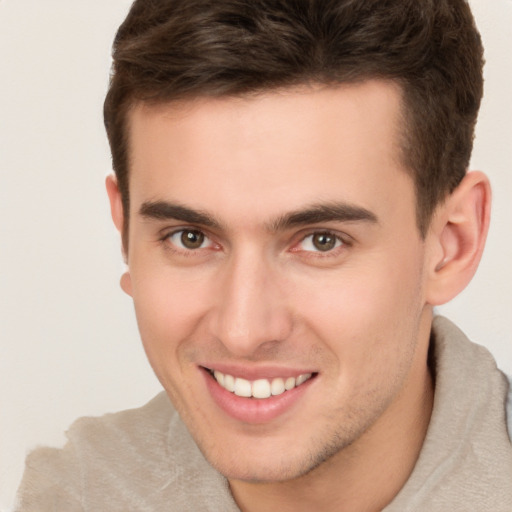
[341,243]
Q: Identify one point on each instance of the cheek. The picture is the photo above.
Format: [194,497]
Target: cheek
[356,300]
[169,310]
[367,315]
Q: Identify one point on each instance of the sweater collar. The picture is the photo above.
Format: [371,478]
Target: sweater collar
[466,459]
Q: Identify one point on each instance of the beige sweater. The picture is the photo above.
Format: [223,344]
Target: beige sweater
[144,459]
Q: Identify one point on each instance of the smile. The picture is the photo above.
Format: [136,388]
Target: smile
[260,388]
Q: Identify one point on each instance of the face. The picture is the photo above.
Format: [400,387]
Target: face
[277,271]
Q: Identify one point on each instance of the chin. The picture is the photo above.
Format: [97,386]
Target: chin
[265,464]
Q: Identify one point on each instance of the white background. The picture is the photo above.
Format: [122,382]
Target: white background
[68,340]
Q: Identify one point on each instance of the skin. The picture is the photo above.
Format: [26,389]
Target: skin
[257,295]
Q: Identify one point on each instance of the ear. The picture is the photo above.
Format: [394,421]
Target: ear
[116,210]
[457,236]
[116,205]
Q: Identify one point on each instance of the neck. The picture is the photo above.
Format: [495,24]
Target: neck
[366,476]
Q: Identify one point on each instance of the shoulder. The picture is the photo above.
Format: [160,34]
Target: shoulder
[134,459]
[123,434]
[114,462]
[55,479]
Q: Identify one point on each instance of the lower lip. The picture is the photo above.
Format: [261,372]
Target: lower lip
[254,410]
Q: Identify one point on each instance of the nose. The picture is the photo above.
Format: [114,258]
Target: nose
[252,310]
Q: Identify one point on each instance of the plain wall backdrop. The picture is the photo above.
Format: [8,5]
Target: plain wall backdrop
[68,339]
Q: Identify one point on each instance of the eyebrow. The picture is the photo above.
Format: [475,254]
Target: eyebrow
[316,213]
[163,210]
[329,212]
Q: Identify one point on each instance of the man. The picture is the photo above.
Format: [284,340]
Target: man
[292,195]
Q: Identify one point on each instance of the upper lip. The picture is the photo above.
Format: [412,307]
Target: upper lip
[252,372]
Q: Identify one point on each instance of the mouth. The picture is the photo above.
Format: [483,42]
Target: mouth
[259,388]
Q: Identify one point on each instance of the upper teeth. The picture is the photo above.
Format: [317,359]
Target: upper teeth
[261,388]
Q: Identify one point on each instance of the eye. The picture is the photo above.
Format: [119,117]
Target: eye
[323,241]
[190,239]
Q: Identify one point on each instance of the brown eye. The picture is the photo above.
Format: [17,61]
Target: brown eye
[321,241]
[188,241]
[324,241]
[192,239]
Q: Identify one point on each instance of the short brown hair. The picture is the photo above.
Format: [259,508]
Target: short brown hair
[178,49]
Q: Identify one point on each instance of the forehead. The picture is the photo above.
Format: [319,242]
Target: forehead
[280,148]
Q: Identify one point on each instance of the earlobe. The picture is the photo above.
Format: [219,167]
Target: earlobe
[458,233]
[126,283]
